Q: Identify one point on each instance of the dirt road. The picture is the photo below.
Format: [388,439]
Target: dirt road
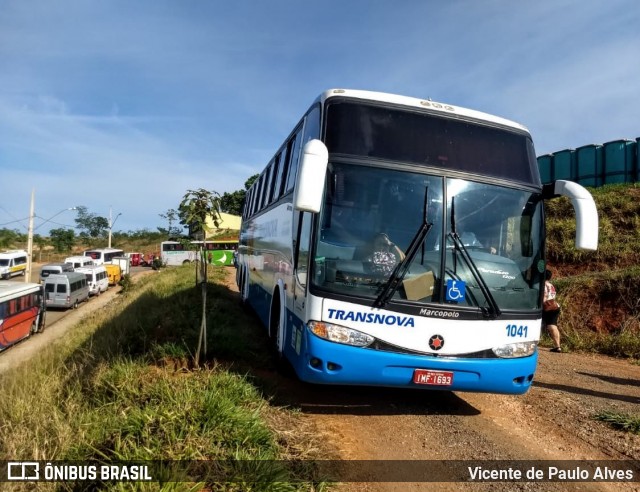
[553,421]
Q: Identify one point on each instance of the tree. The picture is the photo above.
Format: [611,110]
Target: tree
[9,238]
[232,203]
[62,239]
[91,225]
[171,216]
[196,207]
[41,242]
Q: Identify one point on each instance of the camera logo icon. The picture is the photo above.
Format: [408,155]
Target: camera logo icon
[23,470]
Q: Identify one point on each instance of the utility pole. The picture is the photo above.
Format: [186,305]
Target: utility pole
[27,275]
[111,223]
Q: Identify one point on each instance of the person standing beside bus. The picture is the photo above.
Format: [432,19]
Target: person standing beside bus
[551,311]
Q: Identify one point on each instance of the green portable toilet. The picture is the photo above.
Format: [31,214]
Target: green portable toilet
[637,161]
[619,157]
[545,163]
[589,166]
[563,165]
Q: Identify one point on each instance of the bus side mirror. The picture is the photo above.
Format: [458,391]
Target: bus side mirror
[311,175]
[585,208]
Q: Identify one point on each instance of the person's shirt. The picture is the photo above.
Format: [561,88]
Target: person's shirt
[549,291]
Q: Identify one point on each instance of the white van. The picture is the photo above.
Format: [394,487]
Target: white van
[53,268]
[79,261]
[65,290]
[97,278]
[12,263]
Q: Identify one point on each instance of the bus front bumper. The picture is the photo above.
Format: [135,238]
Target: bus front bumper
[325,362]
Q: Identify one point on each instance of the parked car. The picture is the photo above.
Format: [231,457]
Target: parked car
[135,259]
[12,263]
[65,290]
[97,278]
[53,268]
[79,261]
[114,272]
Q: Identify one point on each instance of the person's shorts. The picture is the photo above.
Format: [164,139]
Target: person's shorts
[550,317]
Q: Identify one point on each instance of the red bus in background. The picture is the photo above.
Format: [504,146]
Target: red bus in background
[22,312]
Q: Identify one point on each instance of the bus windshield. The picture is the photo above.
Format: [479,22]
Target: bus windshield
[371,215]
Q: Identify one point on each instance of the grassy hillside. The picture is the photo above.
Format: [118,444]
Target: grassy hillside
[120,386]
[600,290]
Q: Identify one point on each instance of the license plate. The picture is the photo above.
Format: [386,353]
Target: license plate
[432,378]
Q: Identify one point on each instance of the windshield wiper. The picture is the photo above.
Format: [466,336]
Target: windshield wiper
[402,268]
[494,310]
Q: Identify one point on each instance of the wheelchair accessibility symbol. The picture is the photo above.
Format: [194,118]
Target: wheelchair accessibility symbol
[455,290]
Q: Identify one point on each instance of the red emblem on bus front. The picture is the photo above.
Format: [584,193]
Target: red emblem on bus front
[436,342]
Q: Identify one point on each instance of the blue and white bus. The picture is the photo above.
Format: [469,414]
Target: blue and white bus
[395,241]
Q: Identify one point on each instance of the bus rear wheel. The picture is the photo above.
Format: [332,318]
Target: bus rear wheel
[274,321]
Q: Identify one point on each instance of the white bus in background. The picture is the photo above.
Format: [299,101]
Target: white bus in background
[174,253]
[353,253]
[101,256]
[219,252]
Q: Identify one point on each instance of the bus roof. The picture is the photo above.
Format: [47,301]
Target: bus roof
[104,250]
[10,289]
[446,109]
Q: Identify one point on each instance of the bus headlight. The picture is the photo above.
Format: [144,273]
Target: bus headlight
[340,334]
[513,350]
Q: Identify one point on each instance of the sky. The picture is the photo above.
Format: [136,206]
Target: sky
[123,106]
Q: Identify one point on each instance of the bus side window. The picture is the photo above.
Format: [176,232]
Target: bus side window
[281,182]
[312,125]
[246,209]
[294,153]
[266,196]
[274,188]
[260,193]
[302,253]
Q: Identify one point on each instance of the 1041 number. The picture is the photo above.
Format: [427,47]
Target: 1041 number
[517,331]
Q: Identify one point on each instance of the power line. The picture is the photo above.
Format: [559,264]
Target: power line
[13,222]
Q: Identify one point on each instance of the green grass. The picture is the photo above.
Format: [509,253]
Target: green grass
[122,388]
[619,421]
[598,290]
[601,312]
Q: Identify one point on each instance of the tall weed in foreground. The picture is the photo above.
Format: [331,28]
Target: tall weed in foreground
[121,388]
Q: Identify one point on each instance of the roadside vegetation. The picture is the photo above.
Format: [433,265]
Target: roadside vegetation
[599,291]
[123,386]
[620,421]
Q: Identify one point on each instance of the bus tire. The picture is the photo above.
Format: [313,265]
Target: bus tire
[274,319]
[75,304]
[244,285]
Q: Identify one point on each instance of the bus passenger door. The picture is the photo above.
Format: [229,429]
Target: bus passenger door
[301,266]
